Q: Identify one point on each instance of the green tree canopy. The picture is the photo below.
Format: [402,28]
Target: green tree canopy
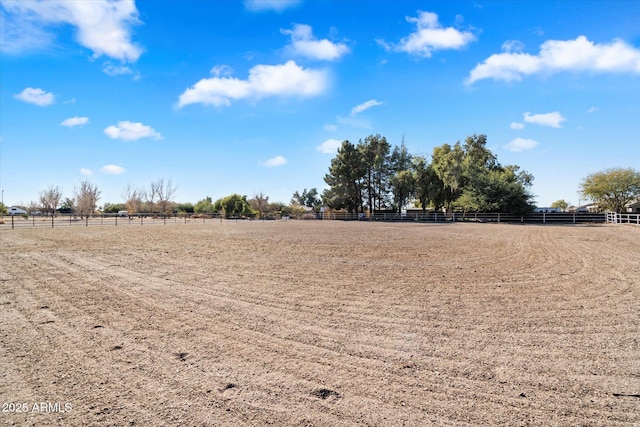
[560,204]
[345,179]
[612,189]
[233,206]
[204,206]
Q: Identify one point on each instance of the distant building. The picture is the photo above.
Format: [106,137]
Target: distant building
[591,208]
[547,210]
[633,207]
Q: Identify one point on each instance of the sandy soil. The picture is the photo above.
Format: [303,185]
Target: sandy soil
[320,323]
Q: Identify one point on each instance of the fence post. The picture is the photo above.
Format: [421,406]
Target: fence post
[544,217]
[574,217]
[12,216]
[498,217]
[51,220]
[86,221]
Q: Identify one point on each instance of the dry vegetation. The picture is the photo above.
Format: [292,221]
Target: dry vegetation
[321,323]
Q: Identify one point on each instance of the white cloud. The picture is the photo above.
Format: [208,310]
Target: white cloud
[103,26]
[86,172]
[593,110]
[304,44]
[287,79]
[365,106]
[131,131]
[112,170]
[330,146]
[277,5]
[330,127]
[559,55]
[119,70]
[517,126]
[553,120]
[430,36]
[275,162]
[521,144]
[75,121]
[512,46]
[36,96]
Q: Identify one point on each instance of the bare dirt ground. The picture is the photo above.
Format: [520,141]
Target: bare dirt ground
[320,323]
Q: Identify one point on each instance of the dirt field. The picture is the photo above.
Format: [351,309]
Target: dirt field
[320,323]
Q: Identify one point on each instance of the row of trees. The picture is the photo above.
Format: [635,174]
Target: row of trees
[84,202]
[372,175]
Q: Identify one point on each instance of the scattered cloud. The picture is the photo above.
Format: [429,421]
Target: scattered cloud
[556,56]
[330,127]
[112,170]
[521,144]
[517,126]
[103,26]
[593,110]
[513,46]
[553,120]
[86,172]
[303,43]
[429,36]
[330,146]
[119,70]
[131,131]
[36,96]
[276,5]
[75,121]
[264,81]
[365,106]
[275,162]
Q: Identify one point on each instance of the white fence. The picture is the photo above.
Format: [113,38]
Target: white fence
[622,218]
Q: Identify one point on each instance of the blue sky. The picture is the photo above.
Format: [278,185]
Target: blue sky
[253,96]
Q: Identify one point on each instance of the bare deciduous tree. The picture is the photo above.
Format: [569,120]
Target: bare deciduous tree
[50,199]
[87,196]
[260,203]
[133,199]
[164,192]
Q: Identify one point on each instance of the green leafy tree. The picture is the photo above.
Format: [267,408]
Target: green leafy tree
[113,207]
[185,208]
[497,190]
[234,205]
[345,179]
[401,179]
[375,151]
[612,189]
[560,204]
[204,206]
[67,206]
[429,189]
[447,163]
[308,198]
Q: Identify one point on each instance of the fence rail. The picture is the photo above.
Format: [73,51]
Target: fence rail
[617,218]
[11,222]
